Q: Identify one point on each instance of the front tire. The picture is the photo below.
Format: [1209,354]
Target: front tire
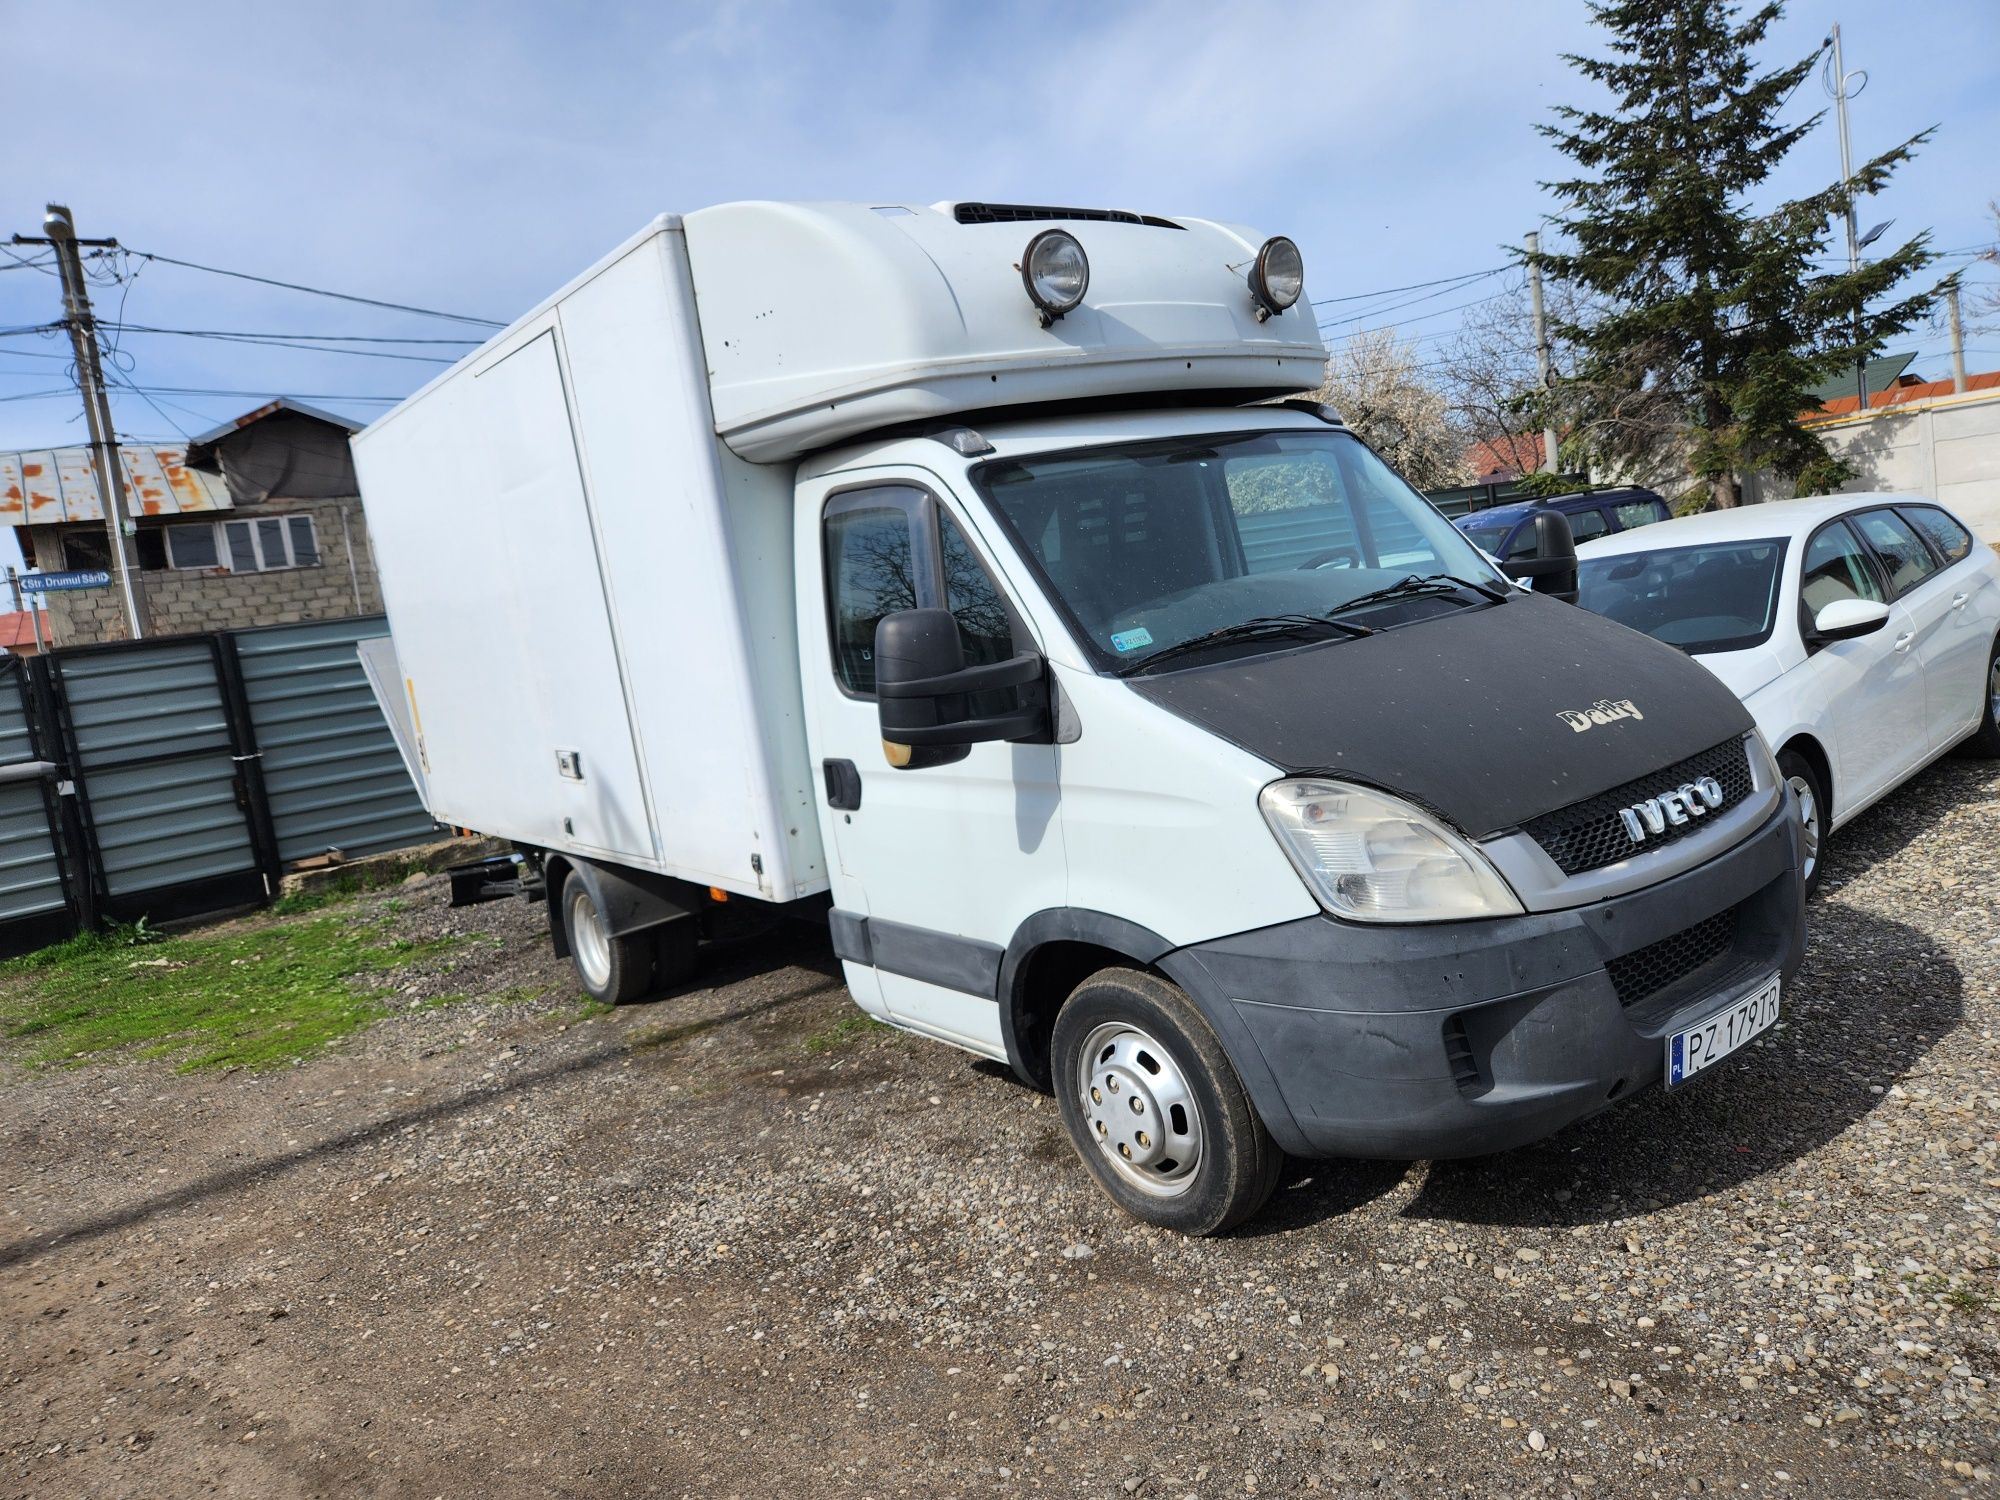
[1985,740]
[1814,810]
[612,970]
[1155,1109]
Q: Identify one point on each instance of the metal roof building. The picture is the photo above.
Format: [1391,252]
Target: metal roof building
[52,485]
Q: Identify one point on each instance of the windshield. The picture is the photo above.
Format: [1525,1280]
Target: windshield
[1147,546]
[1718,598]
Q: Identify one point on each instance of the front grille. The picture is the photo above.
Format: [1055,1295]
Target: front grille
[1589,835]
[1643,973]
[1027,213]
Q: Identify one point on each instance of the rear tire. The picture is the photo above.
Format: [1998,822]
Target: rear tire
[1985,740]
[612,970]
[1813,810]
[1155,1109]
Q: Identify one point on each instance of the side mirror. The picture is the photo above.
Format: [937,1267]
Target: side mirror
[934,708]
[1551,568]
[1845,619]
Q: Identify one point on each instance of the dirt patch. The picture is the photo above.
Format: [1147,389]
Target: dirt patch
[734,1242]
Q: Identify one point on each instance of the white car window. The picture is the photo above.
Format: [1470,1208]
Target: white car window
[1903,554]
[1836,568]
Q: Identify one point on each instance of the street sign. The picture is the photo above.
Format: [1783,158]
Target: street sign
[75,578]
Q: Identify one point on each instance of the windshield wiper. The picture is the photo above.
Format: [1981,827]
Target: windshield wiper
[1421,586]
[1257,628]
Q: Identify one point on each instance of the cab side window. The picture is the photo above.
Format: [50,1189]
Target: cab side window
[870,573]
[1904,556]
[1836,568]
[883,555]
[1953,541]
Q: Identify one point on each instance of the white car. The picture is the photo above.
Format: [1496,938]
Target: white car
[1860,630]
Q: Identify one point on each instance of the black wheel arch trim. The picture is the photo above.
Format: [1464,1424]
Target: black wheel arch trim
[629,900]
[1071,924]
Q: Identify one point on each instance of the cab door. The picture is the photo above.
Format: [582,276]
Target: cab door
[933,866]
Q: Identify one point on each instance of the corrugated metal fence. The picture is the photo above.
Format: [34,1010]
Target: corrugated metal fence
[166,778]
[331,770]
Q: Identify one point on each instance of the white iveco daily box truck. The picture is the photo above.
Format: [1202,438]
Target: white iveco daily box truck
[949,573]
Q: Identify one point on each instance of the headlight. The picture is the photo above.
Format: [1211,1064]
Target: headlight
[1056,272]
[1375,858]
[1277,276]
[1763,764]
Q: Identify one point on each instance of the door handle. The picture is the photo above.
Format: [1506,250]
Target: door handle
[1903,640]
[843,784]
[1958,600]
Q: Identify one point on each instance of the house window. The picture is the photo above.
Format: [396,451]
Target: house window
[86,549]
[260,546]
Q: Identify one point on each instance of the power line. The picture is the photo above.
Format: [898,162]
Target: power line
[1415,286]
[266,341]
[1418,318]
[120,378]
[22,263]
[264,395]
[331,338]
[293,286]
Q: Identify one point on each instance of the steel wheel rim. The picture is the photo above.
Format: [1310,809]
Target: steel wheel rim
[1808,819]
[588,940]
[1138,1108]
[1993,693]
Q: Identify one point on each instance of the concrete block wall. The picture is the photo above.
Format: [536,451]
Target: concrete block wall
[188,603]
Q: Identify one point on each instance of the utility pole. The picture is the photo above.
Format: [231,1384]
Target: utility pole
[60,234]
[1957,339]
[1840,97]
[1534,244]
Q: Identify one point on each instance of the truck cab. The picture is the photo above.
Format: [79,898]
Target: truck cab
[1121,721]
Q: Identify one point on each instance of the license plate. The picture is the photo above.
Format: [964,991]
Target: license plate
[1688,1052]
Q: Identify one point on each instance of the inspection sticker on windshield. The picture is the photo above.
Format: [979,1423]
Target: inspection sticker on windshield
[1132,640]
[1688,1052]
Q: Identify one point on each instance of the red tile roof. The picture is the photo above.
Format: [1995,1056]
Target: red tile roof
[17,631]
[1902,394]
[1506,457]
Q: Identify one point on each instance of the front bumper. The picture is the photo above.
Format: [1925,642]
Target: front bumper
[1463,1038]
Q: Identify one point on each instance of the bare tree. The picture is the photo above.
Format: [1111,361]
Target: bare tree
[1494,382]
[1380,389]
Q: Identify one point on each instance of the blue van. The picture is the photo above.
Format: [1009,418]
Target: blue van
[1505,531]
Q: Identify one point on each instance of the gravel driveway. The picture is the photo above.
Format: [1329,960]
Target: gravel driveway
[735,1242]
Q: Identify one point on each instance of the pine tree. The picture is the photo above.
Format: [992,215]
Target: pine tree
[1714,320]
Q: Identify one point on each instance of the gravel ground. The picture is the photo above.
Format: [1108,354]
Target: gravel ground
[734,1243]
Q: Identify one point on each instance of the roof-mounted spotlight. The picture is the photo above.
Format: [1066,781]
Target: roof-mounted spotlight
[1277,276]
[1056,272]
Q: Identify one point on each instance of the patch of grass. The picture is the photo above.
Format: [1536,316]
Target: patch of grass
[256,999]
[590,1010]
[849,1028]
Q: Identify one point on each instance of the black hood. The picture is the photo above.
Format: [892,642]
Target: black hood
[1471,714]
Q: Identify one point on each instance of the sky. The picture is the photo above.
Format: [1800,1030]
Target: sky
[473,157]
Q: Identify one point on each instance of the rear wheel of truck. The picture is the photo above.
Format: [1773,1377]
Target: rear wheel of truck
[1155,1109]
[611,969]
